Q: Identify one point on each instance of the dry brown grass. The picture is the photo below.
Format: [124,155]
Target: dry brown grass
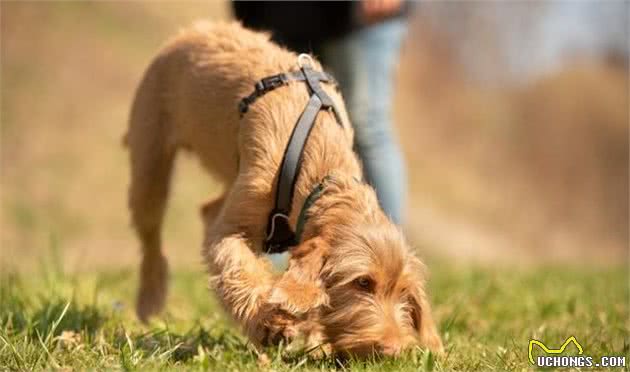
[536,172]
[69,71]
[532,172]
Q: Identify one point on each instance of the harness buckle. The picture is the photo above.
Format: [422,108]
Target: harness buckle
[272,82]
[272,229]
[280,236]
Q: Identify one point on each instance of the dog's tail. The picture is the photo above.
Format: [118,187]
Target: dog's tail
[152,158]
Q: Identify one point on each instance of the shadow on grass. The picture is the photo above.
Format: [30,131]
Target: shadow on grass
[44,320]
[198,342]
[58,315]
[44,315]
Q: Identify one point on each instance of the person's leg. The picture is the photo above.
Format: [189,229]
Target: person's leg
[364,63]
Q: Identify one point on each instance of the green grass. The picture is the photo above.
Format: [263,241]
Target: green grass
[487,316]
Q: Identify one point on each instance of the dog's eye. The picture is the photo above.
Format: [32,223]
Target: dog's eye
[364,282]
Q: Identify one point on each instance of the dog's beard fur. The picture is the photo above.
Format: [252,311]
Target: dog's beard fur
[374,302]
[370,289]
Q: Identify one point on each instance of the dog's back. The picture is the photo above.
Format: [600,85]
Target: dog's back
[189,94]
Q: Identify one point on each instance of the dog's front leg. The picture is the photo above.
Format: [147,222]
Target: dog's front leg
[210,210]
[243,283]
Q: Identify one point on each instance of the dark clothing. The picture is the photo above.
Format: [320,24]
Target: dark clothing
[302,26]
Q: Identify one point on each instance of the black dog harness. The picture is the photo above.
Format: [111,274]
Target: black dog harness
[279,234]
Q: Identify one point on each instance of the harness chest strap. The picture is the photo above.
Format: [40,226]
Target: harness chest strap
[279,233]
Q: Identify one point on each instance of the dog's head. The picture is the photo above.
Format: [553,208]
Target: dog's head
[373,299]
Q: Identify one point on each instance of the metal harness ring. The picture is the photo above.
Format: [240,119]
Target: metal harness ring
[302,57]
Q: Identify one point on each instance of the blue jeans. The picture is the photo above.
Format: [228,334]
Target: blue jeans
[363,62]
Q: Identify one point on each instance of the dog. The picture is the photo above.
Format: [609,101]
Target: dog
[352,283]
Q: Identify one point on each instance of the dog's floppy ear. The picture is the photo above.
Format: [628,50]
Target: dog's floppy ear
[423,321]
[421,312]
[300,289]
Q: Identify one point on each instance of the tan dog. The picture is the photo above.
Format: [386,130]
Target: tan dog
[352,283]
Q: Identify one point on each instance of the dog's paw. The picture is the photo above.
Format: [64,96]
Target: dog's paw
[152,291]
[281,327]
[273,326]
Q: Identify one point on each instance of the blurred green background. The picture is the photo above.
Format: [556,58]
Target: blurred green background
[513,117]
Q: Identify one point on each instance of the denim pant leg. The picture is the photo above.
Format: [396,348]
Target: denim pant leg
[363,62]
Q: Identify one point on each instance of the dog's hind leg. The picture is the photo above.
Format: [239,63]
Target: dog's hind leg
[152,158]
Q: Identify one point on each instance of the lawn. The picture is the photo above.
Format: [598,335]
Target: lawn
[486,316]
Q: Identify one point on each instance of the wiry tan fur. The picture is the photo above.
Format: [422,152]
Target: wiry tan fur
[188,99]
